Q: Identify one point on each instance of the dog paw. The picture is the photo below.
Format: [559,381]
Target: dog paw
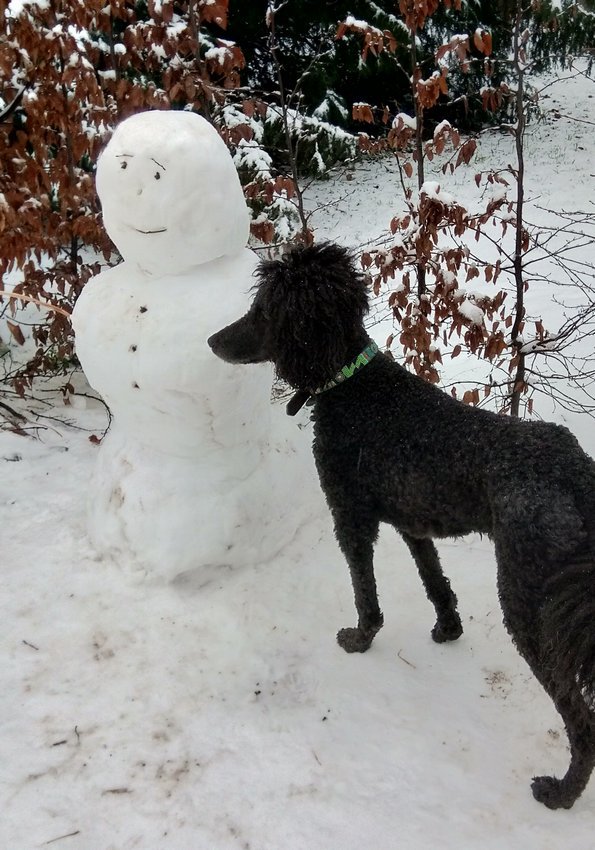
[355,640]
[550,791]
[447,629]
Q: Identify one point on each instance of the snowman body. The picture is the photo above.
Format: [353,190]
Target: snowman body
[182,479]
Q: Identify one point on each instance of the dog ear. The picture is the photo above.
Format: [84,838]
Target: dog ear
[315,302]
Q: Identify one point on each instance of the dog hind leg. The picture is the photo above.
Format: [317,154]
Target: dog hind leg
[547,640]
[448,624]
[580,727]
[356,536]
[567,643]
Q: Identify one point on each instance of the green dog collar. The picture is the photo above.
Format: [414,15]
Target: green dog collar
[349,371]
[302,397]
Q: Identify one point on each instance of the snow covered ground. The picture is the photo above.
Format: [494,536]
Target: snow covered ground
[219,713]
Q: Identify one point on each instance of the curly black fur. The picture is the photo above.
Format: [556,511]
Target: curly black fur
[391,448]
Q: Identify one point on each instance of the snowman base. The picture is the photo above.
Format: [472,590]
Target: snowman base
[199,519]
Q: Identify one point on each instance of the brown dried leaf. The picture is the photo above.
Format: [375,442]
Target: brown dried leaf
[362,112]
[16,333]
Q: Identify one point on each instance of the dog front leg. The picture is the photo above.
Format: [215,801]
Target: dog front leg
[448,623]
[356,538]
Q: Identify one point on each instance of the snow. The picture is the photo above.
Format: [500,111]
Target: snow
[404,120]
[364,26]
[219,54]
[16,8]
[320,167]
[249,154]
[441,128]
[471,311]
[218,713]
[159,51]
[332,100]
[176,28]
[434,190]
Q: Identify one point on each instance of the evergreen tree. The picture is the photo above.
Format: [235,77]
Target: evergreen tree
[331,76]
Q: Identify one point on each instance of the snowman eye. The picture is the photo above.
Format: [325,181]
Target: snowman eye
[157,176]
[124,164]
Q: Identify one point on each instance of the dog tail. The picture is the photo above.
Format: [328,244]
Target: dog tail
[568,629]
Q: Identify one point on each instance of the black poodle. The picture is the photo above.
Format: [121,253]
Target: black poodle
[391,448]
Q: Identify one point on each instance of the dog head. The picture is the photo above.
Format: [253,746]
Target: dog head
[306,317]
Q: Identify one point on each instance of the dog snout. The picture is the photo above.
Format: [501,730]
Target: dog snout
[219,344]
[240,342]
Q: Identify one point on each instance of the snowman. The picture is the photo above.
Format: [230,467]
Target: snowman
[182,480]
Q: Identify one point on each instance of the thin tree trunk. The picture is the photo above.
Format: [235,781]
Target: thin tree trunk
[74,242]
[194,26]
[420,269]
[291,149]
[518,382]
[112,51]
[7,111]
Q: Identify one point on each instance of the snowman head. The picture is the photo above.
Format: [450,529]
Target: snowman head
[170,193]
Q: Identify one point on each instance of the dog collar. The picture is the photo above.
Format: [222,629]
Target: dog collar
[302,397]
[349,371]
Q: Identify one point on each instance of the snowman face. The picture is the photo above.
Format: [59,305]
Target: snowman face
[144,200]
[170,193]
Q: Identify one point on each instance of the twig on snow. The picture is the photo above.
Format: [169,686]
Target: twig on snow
[60,837]
[405,660]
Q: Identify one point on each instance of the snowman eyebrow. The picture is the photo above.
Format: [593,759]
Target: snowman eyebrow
[120,155]
[158,163]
